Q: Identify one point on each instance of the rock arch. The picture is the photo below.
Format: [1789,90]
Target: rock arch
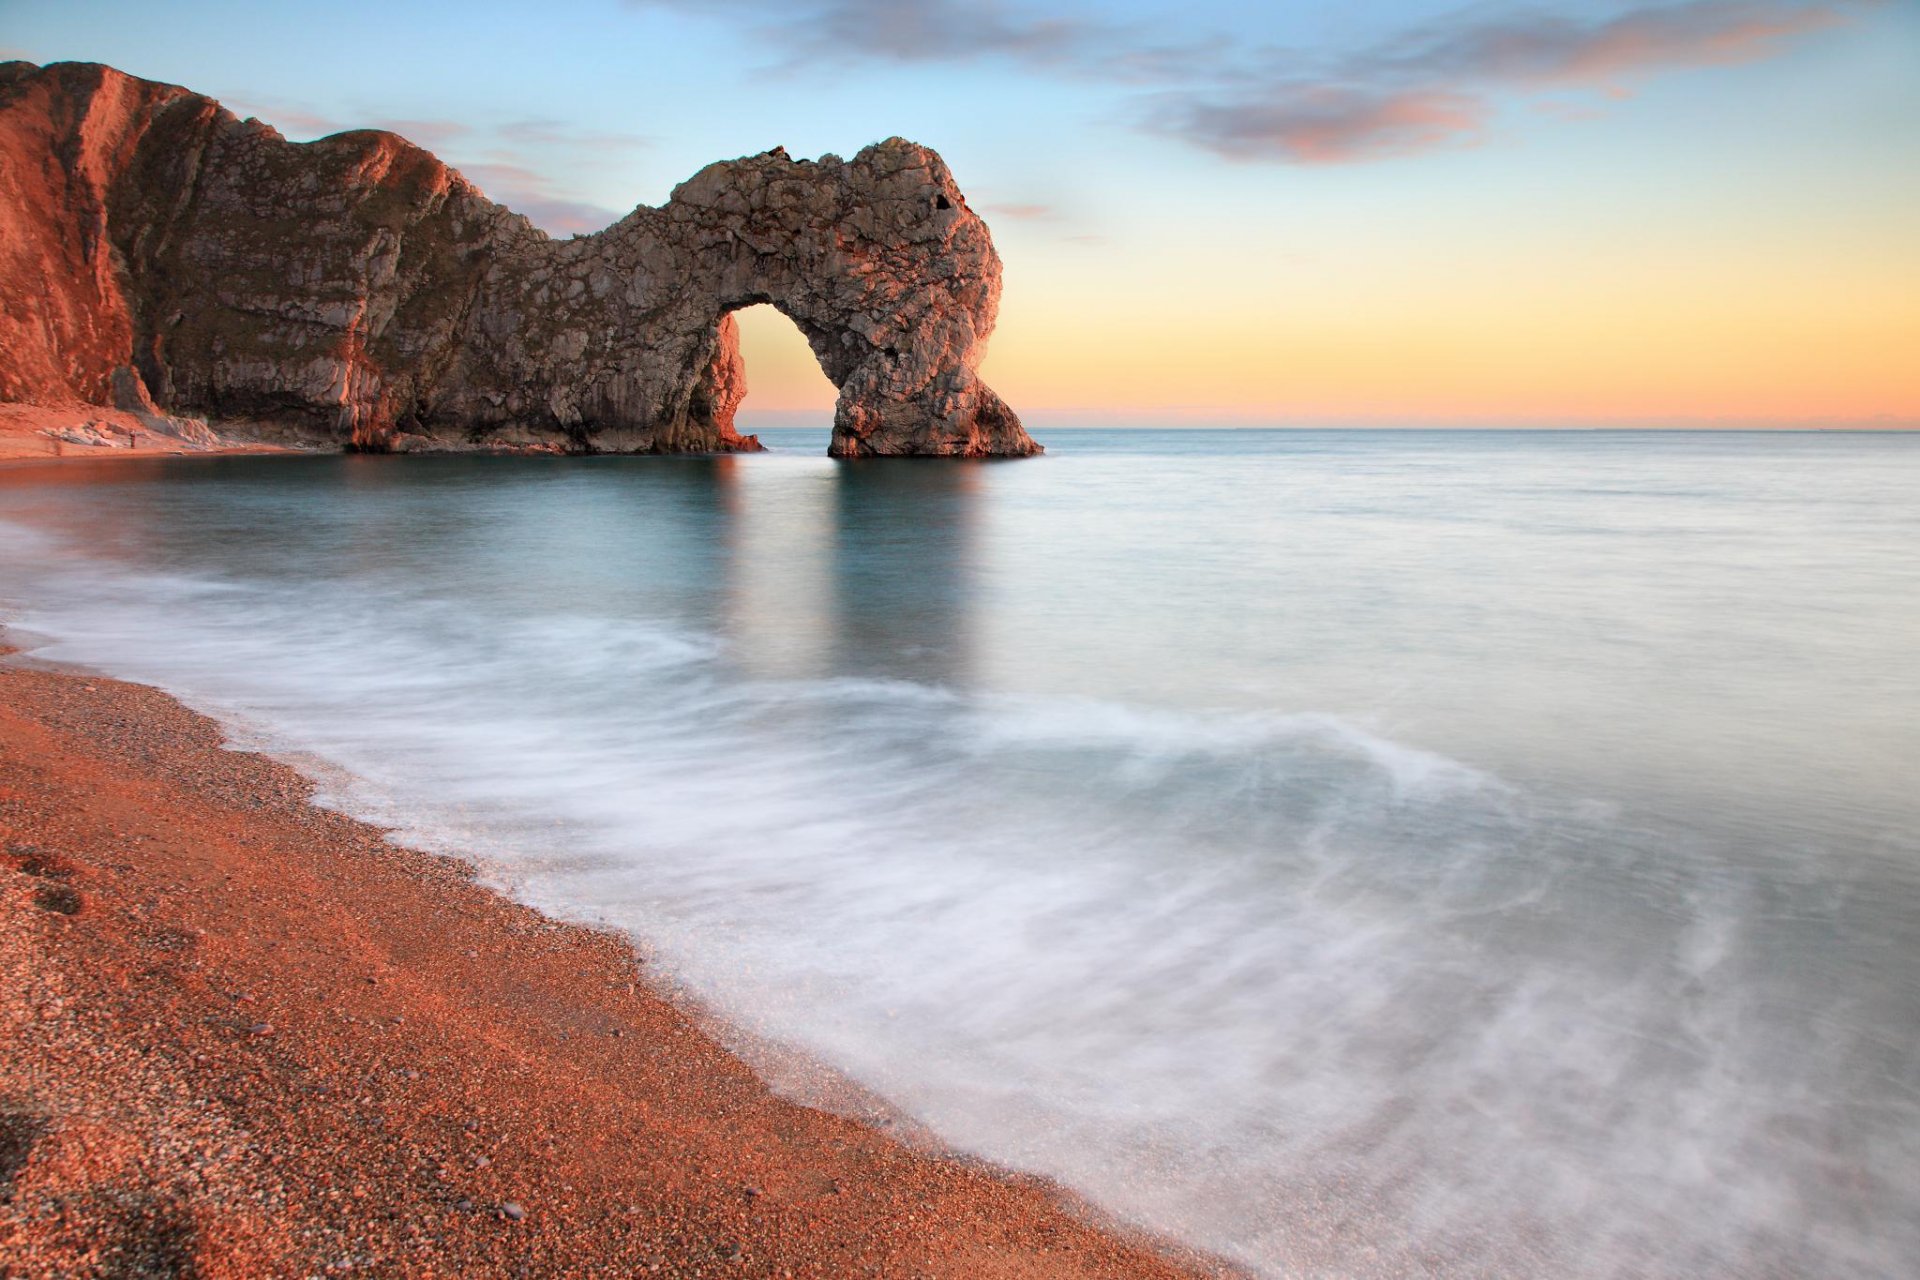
[355,289]
[880,264]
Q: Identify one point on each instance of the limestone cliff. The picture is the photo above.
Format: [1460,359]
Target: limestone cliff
[159,253]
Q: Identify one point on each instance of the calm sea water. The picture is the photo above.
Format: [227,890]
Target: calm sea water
[1363,854]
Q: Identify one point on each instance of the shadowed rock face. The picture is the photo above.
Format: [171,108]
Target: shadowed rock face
[355,289]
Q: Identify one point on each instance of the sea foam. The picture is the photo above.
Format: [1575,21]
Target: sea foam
[1281,984]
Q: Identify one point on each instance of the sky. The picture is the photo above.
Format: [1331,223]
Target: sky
[1382,212]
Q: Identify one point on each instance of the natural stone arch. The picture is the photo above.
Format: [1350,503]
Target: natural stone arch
[878,262]
[356,289]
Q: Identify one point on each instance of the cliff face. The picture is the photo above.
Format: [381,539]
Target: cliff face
[156,250]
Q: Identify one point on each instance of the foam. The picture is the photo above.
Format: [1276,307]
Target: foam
[1320,999]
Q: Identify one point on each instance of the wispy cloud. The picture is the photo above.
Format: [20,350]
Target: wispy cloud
[560,134]
[532,192]
[904,30]
[830,32]
[1312,123]
[562,217]
[927,30]
[431,134]
[1437,85]
[1546,48]
[514,162]
[291,118]
[1023,212]
[299,120]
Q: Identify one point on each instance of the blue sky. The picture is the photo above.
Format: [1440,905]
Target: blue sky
[1382,211]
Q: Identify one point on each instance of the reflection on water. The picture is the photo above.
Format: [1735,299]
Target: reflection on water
[837,568]
[1466,855]
[902,573]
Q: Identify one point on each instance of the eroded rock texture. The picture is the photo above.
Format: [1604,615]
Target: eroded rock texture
[355,289]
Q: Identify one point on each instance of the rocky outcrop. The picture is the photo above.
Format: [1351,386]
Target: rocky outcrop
[158,253]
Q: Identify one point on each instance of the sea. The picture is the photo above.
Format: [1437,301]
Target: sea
[1354,853]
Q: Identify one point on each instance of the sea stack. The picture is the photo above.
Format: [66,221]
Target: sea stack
[155,249]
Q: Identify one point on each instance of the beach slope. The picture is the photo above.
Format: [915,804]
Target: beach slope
[247,1036]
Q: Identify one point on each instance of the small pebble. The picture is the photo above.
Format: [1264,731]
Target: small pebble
[260,1029]
[512,1212]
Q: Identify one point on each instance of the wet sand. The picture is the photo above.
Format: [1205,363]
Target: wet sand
[244,1036]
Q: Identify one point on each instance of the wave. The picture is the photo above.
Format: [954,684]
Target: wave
[1280,984]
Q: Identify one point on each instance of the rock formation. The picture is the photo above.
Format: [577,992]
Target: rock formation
[158,253]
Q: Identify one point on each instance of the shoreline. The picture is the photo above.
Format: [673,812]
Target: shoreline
[36,432]
[32,432]
[247,1035]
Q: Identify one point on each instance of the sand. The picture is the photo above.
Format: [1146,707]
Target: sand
[244,1036]
[36,431]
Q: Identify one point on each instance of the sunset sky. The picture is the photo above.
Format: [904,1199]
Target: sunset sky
[1383,212]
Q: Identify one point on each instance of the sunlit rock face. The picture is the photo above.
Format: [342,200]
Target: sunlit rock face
[355,290]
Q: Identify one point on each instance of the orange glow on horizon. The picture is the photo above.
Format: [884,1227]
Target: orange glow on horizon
[1648,333]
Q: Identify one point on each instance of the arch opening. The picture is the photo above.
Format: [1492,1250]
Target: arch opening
[784,383]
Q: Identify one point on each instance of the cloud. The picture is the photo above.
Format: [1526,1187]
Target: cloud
[503,160]
[1432,86]
[504,174]
[1437,86]
[1016,211]
[903,30]
[431,134]
[290,118]
[1561,109]
[531,192]
[515,171]
[1326,124]
[558,216]
[301,121]
[548,134]
[1544,48]
[1022,212]
[830,32]
[939,30]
